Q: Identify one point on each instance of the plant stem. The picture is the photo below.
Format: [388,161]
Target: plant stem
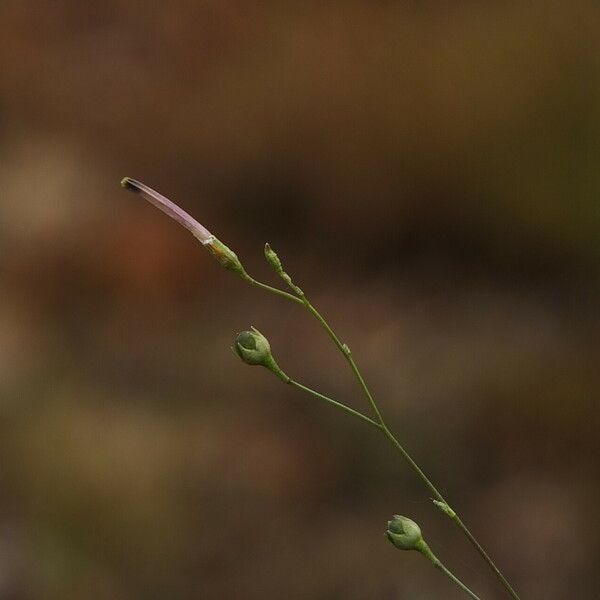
[335,403]
[485,556]
[268,288]
[437,563]
[456,580]
[345,350]
[438,496]
[381,425]
[425,550]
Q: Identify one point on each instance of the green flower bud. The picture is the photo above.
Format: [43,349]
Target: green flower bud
[254,349]
[405,534]
[273,259]
[275,263]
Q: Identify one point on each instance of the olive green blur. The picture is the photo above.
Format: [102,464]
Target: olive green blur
[428,174]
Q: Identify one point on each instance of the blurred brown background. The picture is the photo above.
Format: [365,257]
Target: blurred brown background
[429,173]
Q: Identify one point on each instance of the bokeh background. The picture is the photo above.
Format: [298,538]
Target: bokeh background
[429,173]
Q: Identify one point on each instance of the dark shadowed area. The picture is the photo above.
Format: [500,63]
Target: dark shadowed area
[429,174]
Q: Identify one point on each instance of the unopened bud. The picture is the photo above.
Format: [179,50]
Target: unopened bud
[254,349]
[404,533]
[273,259]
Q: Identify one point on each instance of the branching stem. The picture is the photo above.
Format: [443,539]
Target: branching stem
[379,423]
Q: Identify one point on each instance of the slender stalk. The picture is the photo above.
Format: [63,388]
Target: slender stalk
[335,403]
[485,556]
[424,548]
[381,425]
[439,565]
[268,288]
[345,350]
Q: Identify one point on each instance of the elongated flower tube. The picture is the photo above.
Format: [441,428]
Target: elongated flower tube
[218,249]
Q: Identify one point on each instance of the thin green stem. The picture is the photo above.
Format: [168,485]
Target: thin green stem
[437,563]
[412,464]
[272,290]
[485,556]
[345,350]
[425,549]
[335,403]
[438,496]
[457,581]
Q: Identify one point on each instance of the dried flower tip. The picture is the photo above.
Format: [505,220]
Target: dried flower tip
[169,208]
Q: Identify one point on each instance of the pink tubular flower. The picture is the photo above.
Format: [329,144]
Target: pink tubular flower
[226,257]
[169,208]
